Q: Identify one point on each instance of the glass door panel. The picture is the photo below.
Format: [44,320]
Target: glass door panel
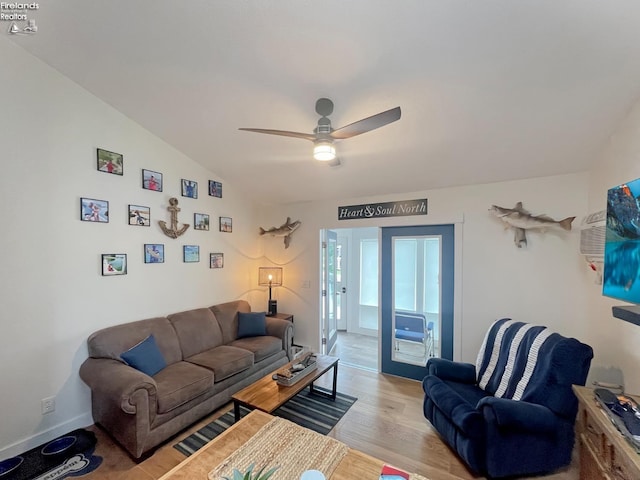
[329,292]
[417,282]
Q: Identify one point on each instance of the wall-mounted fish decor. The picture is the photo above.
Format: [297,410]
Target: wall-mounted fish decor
[285,230]
[521,220]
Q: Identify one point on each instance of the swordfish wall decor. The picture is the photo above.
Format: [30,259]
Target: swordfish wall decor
[520,220]
[285,230]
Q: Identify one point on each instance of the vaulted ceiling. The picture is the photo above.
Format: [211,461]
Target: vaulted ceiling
[489,90]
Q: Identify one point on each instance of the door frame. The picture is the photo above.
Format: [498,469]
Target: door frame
[329,293]
[344,243]
[457,220]
[386,300]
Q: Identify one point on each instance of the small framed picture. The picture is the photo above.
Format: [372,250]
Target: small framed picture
[139,215]
[215,189]
[190,253]
[110,162]
[200,221]
[226,224]
[153,253]
[189,188]
[216,260]
[151,180]
[92,210]
[114,264]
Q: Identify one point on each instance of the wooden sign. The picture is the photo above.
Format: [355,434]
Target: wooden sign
[386,209]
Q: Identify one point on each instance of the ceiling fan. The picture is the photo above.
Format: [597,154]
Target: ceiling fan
[324,135]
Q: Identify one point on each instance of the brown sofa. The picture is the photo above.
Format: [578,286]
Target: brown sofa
[206,364]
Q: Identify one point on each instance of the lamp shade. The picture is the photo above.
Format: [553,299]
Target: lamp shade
[324,151]
[270,276]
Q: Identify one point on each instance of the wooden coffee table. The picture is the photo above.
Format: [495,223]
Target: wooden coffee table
[267,395]
[355,465]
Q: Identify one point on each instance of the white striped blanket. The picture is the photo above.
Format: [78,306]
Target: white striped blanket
[509,356]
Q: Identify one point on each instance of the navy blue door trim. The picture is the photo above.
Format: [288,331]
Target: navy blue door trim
[446,305]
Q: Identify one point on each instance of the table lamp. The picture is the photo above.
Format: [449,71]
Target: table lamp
[270,277]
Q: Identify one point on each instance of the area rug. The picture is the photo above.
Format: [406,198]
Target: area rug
[317,413]
[69,455]
[291,448]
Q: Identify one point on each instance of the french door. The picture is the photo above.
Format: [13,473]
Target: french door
[329,291]
[417,283]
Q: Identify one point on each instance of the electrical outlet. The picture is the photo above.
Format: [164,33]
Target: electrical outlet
[48,405]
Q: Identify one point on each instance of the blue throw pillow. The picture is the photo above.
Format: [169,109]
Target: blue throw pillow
[252,324]
[145,356]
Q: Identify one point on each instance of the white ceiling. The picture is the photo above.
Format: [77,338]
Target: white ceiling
[489,90]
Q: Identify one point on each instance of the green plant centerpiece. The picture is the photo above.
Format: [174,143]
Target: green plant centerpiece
[250,475]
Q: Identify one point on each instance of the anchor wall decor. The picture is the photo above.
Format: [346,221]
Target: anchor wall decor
[174,231]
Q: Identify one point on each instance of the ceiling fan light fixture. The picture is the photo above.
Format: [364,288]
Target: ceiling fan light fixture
[324,151]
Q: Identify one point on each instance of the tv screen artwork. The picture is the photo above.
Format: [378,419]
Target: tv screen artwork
[622,244]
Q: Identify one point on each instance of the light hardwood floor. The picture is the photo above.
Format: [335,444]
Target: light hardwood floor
[361,351]
[386,422]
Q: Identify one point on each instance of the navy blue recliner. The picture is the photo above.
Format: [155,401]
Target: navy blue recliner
[513,412]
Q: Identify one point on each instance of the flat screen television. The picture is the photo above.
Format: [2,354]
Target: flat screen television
[622,243]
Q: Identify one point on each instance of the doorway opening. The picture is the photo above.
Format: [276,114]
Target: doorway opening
[353,295]
[350,267]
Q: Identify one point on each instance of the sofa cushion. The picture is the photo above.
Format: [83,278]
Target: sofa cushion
[224,361]
[227,316]
[145,356]
[262,347]
[197,330]
[112,341]
[180,383]
[252,324]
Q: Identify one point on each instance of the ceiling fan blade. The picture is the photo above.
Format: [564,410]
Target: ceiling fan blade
[334,163]
[367,124]
[283,133]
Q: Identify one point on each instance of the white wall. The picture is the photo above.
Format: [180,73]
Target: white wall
[616,342]
[544,283]
[52,293]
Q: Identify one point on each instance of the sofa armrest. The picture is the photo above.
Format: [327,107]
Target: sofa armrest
[518,415]
[277,327]
[119,384]
[454,371]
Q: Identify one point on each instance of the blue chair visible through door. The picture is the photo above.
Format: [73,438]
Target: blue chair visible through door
[413,328]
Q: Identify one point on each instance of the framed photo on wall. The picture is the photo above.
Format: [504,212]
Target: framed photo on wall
[215,189]
[216,260]
[110,162]
[151,180]
[139,215]
[190,253]
[153,253]
[114,264]
[93,210]
[189,188]
[226,224]
[200,221]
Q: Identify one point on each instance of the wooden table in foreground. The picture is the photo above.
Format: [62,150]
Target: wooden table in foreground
[354,465]
[267,395]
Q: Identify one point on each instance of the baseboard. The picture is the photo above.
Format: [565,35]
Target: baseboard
[32,441]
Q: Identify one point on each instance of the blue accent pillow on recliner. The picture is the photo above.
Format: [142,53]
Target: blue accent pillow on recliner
[253,324]
[145,356]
